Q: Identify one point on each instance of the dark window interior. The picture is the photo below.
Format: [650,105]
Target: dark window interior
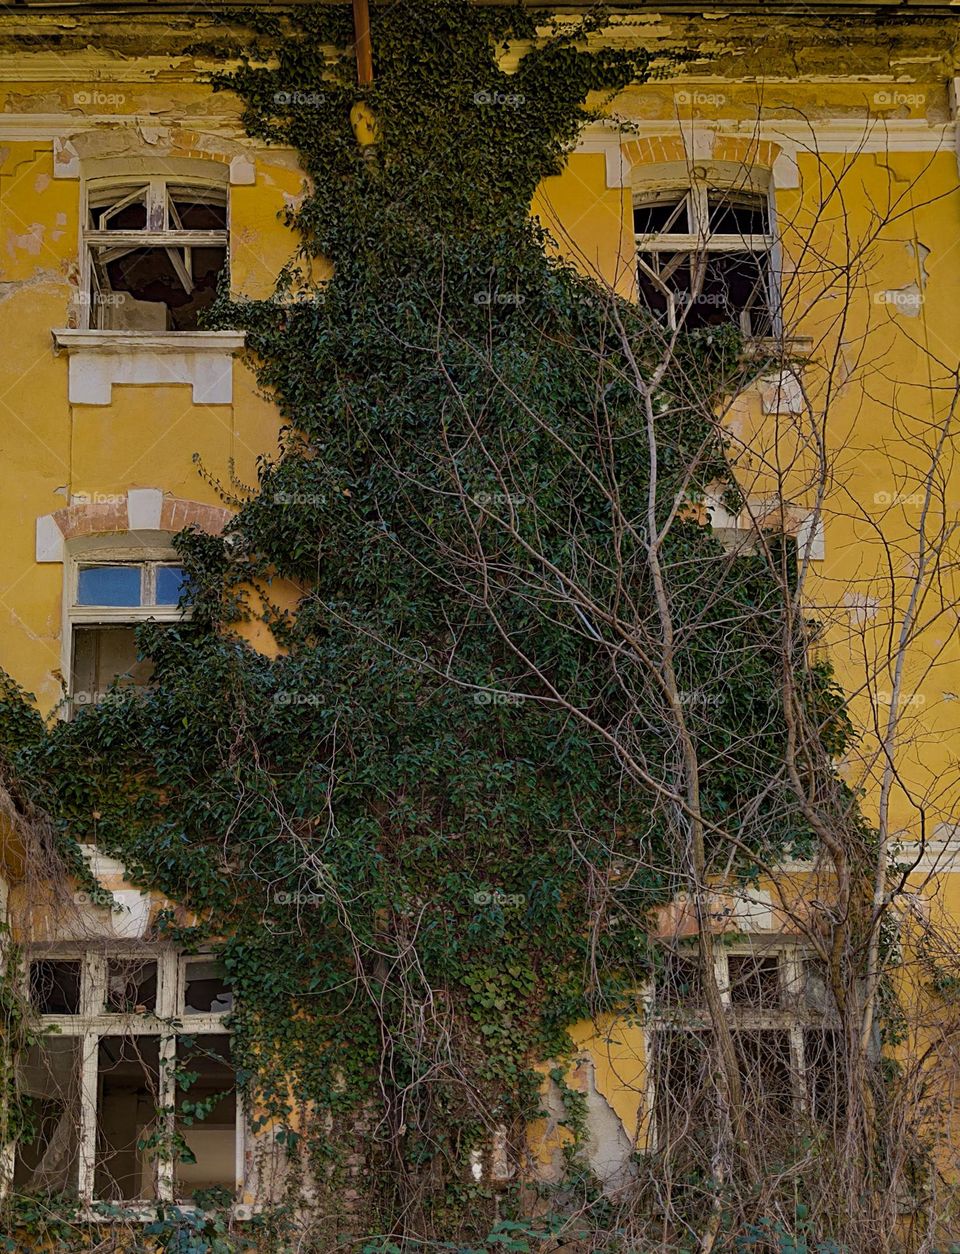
[150,277]
[159,288]
[128,1084]
[713,288]
[737,213]
[131,985]
[198,211]
[754,981]
[658,217]
[206,1116]
[55,987]
[102,654]
[826,1086]
[685,1093]
[47,1151]
[205,990]
[132,217]
[767,1078]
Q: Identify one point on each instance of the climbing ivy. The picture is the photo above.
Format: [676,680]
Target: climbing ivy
[391,826]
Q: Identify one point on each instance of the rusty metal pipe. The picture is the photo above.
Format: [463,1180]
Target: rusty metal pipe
[363,46]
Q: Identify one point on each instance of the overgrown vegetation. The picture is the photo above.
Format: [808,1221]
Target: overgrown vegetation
[411,827]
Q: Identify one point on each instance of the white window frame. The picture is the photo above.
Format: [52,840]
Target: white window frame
[699,241]
[168,1022]
[161,229]
[124,614]
[113,550]
[789,1017]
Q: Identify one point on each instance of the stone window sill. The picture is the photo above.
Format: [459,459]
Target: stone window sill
[99,359]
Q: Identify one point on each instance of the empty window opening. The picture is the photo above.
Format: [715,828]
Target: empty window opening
[206,1117]
[685,1090]
[102,655]
[703,258]
[131,986]
[826,1075]
[754,980]
[205,988]
[47,1151]
[128,1118]
[156,251]
[766,1074]
[55,987]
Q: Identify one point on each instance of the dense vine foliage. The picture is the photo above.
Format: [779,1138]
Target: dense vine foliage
[398,822]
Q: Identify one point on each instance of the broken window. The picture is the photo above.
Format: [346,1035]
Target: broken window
[685,1090]
[109,599]
[55,987]
[785,1036]
[754,980]
[103,654]
[131,985]
[155,251]
[129,1107]
[48,1149]
[703,257]
[123,1104]
[825,1073]
[205,987]
[206,1117]
[767,1078]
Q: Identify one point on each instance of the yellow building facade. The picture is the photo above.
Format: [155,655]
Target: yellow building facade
[835,130]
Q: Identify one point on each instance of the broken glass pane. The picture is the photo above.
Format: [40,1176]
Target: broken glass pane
[205,989]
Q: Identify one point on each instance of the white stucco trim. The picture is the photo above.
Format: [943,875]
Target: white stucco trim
[144,508]
[786,172]
[99,359]
[49,540]
[938,855]
[610,144]
[811,538]
[837,135]
[243,173]
[66,159]
[154,341]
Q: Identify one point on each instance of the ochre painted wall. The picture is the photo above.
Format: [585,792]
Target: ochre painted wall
[839,154]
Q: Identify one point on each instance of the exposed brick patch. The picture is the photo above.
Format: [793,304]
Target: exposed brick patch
[101,518]
[92,519]
[177,514]
[747,149]
[655,150]
[660,149]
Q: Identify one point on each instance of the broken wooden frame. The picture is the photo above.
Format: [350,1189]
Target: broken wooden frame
[153,249]
[704,256]
[130,1079]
